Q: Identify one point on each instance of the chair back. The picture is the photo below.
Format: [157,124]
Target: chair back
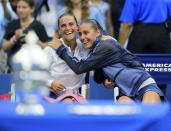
[5,86]
[158,65]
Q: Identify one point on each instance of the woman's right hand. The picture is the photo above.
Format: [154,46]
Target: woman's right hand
[18,33]
[56,87]
[20,36]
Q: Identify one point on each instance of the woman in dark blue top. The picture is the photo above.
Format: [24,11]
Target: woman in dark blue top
[116,63]
[15,33]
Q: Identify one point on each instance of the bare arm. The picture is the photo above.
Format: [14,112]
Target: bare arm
[6,10]
[6,45]
[124,32]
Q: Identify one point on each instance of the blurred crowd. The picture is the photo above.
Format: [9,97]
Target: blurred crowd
[46,14]
[42,16]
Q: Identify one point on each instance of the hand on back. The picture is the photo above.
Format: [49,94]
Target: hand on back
[55,43]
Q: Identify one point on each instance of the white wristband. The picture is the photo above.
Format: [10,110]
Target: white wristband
[49,83]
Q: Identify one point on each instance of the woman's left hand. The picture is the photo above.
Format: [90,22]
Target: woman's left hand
[108,83]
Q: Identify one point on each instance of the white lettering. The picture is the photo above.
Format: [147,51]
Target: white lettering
[157,69]
[157,65]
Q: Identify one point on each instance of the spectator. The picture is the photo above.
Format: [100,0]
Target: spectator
[16,30]
[14,5]
[105,11]
[47,12]
[82,10]
[116,9]
[6,15]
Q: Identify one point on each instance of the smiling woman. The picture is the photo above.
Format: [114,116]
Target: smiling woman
[68,28]
[64,83]
[88,31]
[116,64]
